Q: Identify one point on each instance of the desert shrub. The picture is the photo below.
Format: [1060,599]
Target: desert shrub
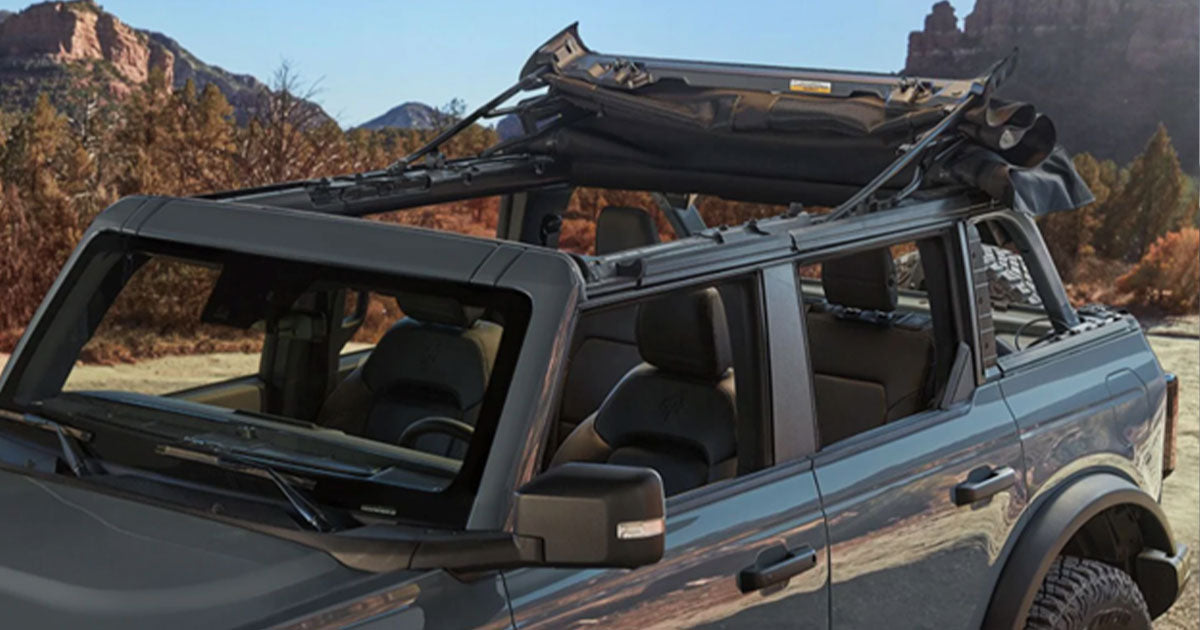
[1168,276]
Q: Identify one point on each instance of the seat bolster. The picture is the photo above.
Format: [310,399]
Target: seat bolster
[584,444]
[346,408]
[650,405]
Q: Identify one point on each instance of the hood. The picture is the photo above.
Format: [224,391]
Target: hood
[75,558]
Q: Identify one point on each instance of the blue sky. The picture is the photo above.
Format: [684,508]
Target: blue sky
[372,55]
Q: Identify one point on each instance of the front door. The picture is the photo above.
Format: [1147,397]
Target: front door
[767,523]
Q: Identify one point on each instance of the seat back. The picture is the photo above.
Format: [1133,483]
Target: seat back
[604,347]
[870,364]
[677,411]
[619,228]
[434,362]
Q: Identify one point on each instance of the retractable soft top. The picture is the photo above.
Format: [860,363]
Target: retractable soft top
[860,142]
[819,135]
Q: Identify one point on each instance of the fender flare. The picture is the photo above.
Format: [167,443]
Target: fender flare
[1049,530]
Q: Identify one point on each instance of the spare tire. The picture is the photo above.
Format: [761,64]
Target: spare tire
[1008,278]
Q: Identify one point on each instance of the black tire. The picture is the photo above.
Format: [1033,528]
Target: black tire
[1008,278]
[1080,594]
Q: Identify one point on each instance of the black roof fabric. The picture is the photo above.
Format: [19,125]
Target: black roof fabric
[811,148]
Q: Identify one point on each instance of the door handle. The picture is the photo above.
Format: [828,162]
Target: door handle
[774,565]
[969,492]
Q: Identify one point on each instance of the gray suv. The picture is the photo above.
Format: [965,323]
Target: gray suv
[753,426]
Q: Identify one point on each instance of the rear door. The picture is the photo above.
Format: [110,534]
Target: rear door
[906,543]
[920,508]
[748,552]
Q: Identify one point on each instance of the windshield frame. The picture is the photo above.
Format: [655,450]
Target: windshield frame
[95,276]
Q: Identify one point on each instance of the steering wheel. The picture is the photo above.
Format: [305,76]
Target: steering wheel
[456,429]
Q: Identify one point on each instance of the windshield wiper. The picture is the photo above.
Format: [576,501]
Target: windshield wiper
[69,439]
[306,509]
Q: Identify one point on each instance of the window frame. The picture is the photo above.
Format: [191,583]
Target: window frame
[774,467]
[53,341]
[959,293]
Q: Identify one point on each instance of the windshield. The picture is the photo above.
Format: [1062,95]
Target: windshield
[368,388]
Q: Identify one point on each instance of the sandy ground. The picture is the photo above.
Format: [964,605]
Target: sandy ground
[1181,491]
[1178,353]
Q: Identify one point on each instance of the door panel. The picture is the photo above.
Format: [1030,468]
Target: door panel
[695,585]
[900,546]
[434,600]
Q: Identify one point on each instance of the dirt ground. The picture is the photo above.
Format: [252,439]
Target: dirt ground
[1177,348]
[1181,491]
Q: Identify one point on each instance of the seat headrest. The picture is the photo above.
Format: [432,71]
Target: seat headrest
[686,333]
[865,280]
[619,228]
[433,309]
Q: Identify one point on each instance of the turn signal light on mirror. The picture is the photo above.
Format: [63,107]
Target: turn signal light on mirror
[634,530]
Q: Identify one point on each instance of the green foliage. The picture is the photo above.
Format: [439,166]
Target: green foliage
[1147,203]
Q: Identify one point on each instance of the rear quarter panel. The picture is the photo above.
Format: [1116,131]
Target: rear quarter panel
[1098,404]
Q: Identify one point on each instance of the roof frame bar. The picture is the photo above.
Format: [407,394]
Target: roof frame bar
[527,82]
[978,93]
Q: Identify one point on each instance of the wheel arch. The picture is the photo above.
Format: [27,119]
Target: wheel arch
[1054,525]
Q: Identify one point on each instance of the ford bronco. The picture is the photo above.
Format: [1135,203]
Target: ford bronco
[748,426]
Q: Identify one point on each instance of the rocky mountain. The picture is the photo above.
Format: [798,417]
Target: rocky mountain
[1106,71]
[410,115]
[72,47]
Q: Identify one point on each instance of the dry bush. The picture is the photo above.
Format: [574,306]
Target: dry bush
[1093,280]
[1168,276]
[577,236]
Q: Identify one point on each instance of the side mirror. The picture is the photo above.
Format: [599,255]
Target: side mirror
[594,515]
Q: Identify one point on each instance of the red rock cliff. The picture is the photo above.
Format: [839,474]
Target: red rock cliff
[1107,71]
[81,32]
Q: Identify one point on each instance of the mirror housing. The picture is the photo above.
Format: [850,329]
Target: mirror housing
[594,515]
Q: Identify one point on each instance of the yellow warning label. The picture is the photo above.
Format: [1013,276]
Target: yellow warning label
[813,87]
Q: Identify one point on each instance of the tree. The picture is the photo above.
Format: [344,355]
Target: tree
[1149,202]
[288,136]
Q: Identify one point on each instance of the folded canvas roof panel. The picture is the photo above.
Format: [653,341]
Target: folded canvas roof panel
[857,141]
[785,134]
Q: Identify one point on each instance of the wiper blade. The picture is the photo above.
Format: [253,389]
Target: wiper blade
[305,508]
[69,439]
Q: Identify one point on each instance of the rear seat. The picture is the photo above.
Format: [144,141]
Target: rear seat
[871,365]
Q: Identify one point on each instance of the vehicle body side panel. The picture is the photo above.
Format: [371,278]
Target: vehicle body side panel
[75,557]
[1098,407]
[900,547]
[431,601]
[695,584]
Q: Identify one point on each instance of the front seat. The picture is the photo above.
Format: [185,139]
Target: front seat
[604,346]
[870,364]
[675,413]
[433,363]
